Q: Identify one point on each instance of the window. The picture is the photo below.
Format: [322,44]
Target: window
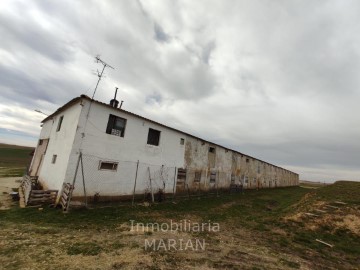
[212,177]
[41,142]
[212,149]
[107,165]
[197,177]
[232,178]
[181,175]
[247,160]
[153,137]
[116,126]
[59,123]
[182,141]
[53,159]
[258,170]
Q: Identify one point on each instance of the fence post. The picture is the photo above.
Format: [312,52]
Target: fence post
[217,183]
[151,189]
[137,168]
[73,183]
[83,178]
[174,183]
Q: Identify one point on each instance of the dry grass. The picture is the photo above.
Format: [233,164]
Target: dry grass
[264,229]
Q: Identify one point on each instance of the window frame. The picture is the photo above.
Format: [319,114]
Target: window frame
[197,176]
[213,174]
[114,164]
[151,141]
[60,123]
[111,124]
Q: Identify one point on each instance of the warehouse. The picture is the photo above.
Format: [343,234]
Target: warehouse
[123,154]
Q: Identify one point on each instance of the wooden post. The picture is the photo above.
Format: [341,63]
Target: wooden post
[83,178]
[174,183]
[136,174]
[73,183]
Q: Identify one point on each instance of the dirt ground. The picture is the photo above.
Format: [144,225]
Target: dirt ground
[6,186]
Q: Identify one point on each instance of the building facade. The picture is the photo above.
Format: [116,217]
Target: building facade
[124,153]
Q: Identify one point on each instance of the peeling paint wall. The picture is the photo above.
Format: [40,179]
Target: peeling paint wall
[229,167]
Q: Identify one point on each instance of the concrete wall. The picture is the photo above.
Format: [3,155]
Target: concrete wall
[97,145]
[84,131]
[51,175]
[229,166]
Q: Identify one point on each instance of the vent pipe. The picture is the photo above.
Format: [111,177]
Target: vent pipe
[114,102]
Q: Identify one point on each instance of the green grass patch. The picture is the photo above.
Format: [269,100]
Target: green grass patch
[86,249]
[14,159]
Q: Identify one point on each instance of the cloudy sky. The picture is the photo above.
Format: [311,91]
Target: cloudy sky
[278,80]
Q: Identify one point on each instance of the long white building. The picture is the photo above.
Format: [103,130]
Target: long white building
[118,147]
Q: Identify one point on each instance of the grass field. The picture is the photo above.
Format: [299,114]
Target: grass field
[14,159]
[264,229]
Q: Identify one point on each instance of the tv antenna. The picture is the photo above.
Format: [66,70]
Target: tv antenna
[100,74]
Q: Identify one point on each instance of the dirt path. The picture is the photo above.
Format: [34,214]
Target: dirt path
[6,186]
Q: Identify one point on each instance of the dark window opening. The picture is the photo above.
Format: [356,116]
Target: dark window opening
[211,149]
[182,141]
[212,177]
[197,177]
[105,165]
[181,175]
[232,178]
[116,126]
[41,142]
[54,157]
[153,137]
[247,160]
[60,123]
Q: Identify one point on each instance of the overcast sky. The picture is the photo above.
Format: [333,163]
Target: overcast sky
[278,80]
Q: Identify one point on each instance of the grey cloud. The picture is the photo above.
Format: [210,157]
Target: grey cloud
[275,79]
[26,33]
[160,34]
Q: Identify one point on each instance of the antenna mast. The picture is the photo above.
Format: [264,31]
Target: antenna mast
[100,74]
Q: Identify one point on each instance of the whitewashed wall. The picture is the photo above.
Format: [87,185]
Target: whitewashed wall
[96,145]
[51,176]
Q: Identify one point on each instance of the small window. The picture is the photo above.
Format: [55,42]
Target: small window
[258,170]
[232,178]
[106,165]
[54,157]
[153,137]
[41,142]
[182,141]
[59,123]
[181,175]
[247,160]
[212,177]
[197,177]
[116,126]
[212,149]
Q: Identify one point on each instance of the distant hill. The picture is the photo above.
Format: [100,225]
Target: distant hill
[14,159]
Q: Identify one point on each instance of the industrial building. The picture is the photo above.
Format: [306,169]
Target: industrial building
[125,154]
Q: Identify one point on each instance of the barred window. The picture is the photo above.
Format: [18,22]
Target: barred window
[106,165]
[212,177]
[116,126]
[197,177]
[181,175]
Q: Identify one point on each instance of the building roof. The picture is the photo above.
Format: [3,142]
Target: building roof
[77,99]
